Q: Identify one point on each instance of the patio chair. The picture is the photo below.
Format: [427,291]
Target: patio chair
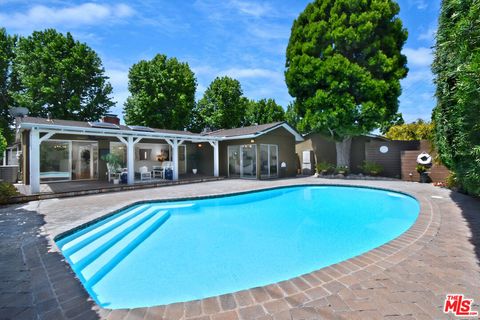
[145,174]
[157,172]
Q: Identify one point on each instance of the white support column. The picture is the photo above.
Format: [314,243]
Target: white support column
[175,159]
[5,157]
[174,143]
[34,159]
[130,161]
[214,144]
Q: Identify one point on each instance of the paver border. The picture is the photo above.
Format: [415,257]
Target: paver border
[304,290]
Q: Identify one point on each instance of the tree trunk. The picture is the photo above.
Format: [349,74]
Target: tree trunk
[343,152]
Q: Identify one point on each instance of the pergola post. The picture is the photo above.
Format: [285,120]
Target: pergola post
[174,143]
[34,159]
[130,161]
[130,143]
[214,144]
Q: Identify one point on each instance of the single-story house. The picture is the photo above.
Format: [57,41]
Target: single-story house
[62,150]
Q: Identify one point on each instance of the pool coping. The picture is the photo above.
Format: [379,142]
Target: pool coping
[305,289]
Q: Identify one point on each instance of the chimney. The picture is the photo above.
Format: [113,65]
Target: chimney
[111,118]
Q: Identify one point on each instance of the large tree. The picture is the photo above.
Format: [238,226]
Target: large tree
[7,82]
[222,106]
[344,66]
[263,111]
[61,76]
[3,143]
[457,76]
[162,93]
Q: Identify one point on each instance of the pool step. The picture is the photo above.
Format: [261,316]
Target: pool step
[91,251]
[109,258]
[96,231]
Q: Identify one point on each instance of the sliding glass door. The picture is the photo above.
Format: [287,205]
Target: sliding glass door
[55,160]
[268,161]
[234,161]
[84,160]
[248,168]
[242,161]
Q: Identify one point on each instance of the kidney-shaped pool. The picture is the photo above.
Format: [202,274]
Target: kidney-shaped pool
[164,252]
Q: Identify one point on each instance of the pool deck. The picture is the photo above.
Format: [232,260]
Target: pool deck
[406,278]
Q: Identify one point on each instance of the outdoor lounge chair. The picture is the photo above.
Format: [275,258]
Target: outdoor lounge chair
[145,174]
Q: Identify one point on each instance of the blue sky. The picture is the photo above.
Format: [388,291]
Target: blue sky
[244,39]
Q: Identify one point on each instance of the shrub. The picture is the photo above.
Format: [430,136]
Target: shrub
[342,170]
[7,190]
[452,181]
[371,168]
[324,167]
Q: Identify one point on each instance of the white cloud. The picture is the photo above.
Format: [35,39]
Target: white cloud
[421,57]
[419,4]
[86,14]
[428,35]
[251,8]
[422,75]
[241,73]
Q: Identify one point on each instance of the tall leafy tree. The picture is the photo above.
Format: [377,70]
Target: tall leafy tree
[222,106]
[60,75]
[457,113]
[7,82]
[162,93]
[291,116]
[3,143]
[417,130]
[264,111]
[344,66]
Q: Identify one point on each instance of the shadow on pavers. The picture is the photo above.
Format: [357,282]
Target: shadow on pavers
[35,281]
[470,207]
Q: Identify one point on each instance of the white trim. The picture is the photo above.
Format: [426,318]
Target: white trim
[216,158]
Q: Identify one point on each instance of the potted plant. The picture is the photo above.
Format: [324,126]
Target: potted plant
[113,164]
[371,168]
[323,168]
[422,170]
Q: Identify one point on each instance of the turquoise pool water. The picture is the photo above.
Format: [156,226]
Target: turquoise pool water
[165,252]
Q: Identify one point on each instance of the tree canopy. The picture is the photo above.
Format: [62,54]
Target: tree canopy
[7,83]
[3,143]
[60,75]
[162,93]
[264,111]
[457,113]
[417,130]
[222,106]
[344,65]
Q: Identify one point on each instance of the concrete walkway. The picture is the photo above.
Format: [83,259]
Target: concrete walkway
[407,278]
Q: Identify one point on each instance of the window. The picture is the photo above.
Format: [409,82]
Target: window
[144,154]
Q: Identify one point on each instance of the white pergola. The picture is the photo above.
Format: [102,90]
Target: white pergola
[43,132]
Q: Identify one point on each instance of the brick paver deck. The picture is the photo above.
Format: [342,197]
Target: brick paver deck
[406,278]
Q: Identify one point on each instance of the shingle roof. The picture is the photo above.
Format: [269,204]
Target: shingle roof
[83,124]
[227,133]
[244,130]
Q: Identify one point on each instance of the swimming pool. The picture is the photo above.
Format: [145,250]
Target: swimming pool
[164,252]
